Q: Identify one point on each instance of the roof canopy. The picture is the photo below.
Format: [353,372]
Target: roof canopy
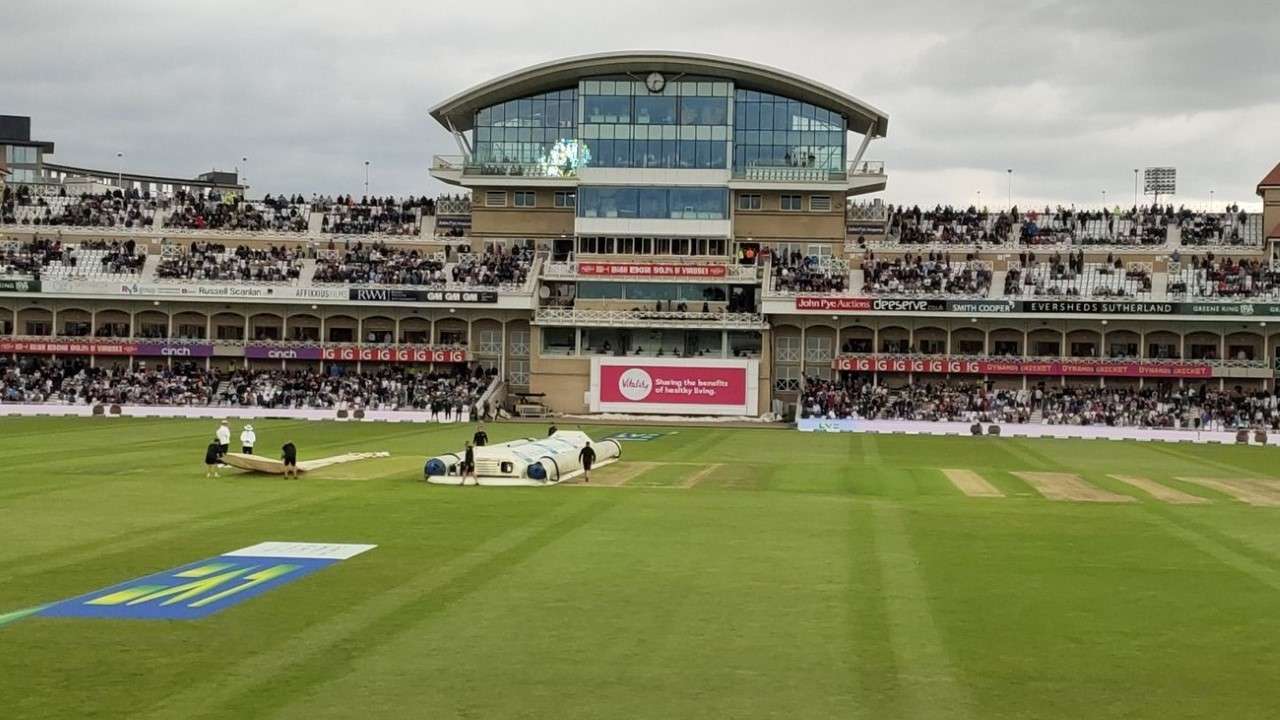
[459,110]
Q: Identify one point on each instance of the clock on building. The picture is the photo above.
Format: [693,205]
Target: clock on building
[655,82]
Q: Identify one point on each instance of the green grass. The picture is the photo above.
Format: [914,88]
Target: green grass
[808,576]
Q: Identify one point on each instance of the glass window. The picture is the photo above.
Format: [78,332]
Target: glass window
[566,199]
[788,133]
[655,110]
[600,290]
[792,202]
[526,199]
[748,202]
[559,341]
[704,111]
[607,108]
[528,131]
[653,202]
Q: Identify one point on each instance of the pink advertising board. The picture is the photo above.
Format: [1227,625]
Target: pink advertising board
[674,386]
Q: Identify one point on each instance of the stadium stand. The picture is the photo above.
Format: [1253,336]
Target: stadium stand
[109,210]
[931,275]
[1072,276]
[214,261]
[794,273]
[369,216]
[74,381]
[949,226]
[86,260]
[381,264]
[1210,277]
[1166,406]
[212,211]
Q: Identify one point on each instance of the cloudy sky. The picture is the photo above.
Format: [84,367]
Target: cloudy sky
[1071,95]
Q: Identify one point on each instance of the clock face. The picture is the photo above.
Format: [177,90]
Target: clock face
[655,82]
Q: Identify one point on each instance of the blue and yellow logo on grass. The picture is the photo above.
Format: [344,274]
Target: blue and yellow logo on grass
[202,588]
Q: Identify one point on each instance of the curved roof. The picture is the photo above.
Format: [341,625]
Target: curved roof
[460,109]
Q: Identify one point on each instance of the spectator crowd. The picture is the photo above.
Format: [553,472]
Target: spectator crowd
[1157,406]
[1214,277]
[214,262]
[932,274]
[73,382]
[380,264]
[796,272]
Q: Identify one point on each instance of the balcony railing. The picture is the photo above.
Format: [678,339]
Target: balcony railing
[647,318]
[469,166]
[765,171]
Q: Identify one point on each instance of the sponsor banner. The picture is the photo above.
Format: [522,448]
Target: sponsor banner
[199,589]
[1234,309]
[451,222]
[411,295]
[832,304]
[192,290]
[21,286]
[864,227]
[1015,366]
[972,307]
[358,353]
[1096,307]
[674,386]
[156,348]
[648,270]
[896,304]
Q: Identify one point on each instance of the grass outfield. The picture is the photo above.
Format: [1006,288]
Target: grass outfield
[712,573]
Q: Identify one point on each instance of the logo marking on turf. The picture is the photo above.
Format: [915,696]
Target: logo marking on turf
[202,588]
[636,436]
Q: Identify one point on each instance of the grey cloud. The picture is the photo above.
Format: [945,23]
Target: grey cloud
[1073,94]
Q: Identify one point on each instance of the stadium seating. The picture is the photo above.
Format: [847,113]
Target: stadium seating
[796,273]
[373,216]
[212,261]
[1163,406]
[1226,278]
[381,264]
[932,275]
[1074,277]
[73,381]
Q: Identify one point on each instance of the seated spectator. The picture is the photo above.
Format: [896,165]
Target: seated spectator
[797,273]
[934,274]
[213,261]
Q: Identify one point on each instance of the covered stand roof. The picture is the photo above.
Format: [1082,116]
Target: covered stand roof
[459,110]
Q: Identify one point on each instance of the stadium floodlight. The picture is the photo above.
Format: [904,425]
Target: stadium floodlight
[1159,181]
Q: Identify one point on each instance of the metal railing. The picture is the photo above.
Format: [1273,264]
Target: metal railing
[469,166]
[767,171]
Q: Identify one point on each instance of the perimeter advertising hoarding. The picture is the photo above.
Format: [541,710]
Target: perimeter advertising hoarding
[897,304]
[1015,366]
[191,289]
[154,348]
[674,386]
[20,286]
[837,304]
[651,270]
[386,294]
[385,353]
